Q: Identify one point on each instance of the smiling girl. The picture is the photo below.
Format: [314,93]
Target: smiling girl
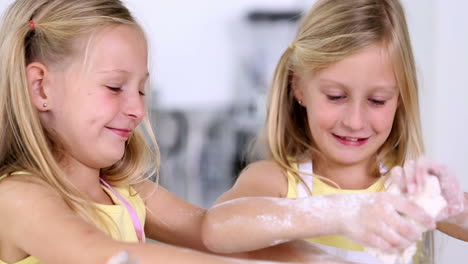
[74,163]
[343,110]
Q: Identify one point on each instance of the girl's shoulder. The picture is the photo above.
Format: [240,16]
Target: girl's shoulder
[263,169]
[33,213]
[23,197]
[19,183]
[266,167]
[261,178]
[23,191]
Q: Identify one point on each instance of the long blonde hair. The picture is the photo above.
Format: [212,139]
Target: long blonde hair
[25,145]
[332,31]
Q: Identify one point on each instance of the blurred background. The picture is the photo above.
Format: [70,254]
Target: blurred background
[211,65]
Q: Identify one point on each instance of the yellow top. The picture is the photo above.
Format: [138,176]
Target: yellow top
[119,224]
[321,188]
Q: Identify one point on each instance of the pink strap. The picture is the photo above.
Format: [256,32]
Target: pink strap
[133,215]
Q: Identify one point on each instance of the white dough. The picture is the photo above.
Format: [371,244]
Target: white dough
[431,200]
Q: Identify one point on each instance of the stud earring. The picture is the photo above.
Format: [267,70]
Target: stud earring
[299,101]
[44,105]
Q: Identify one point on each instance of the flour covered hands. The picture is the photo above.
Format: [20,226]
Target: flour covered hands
[420,187]
[450,189]
[377,220]
[412,178]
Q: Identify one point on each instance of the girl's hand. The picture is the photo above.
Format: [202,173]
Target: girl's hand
[379,220]
[412,178]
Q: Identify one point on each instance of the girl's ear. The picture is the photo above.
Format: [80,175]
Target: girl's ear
[36,72]
[297,90]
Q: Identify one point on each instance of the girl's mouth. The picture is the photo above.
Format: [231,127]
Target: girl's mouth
[351,141]
[124,133]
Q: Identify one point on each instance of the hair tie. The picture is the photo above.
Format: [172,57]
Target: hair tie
[292,46]
[32,24]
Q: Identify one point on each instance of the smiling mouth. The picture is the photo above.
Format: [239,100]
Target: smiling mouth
[351,140]
[124,133]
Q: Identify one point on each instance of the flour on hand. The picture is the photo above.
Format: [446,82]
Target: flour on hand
[431,200]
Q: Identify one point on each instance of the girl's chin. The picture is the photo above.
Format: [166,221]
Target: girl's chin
[112,159]
[349,159]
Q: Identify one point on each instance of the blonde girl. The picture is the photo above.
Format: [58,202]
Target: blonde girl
[74,161]
[343,110]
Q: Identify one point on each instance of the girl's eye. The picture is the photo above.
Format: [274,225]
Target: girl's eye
[142,93]
[335,97]
[377,102]
[114,89]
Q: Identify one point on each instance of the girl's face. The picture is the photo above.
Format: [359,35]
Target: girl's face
[96,102]
[351,106]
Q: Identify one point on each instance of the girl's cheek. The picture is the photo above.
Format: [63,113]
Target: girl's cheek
[384,121]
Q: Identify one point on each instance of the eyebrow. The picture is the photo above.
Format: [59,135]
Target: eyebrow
[146,76]
[385,87]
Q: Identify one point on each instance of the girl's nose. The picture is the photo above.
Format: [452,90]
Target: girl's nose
[354,117]
[134,107]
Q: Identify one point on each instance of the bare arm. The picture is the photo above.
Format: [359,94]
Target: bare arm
[234,218]
[262,218]
[170,219]
[257,222]
[457,226]
[299,251]
[174,221]
[36,221]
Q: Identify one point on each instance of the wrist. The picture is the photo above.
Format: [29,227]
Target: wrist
[461,219]
[324,215]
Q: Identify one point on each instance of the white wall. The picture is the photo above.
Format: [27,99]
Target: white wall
[193,43]
[450,120]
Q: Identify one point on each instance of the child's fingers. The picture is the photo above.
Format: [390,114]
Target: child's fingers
[397,178]
[376,241]
[420,177]
[450,188]
[409,175]
[443,214]
[422,167]
[396,240]
[413,211]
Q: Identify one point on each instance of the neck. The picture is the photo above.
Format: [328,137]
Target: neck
[348,176]
[86,180]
